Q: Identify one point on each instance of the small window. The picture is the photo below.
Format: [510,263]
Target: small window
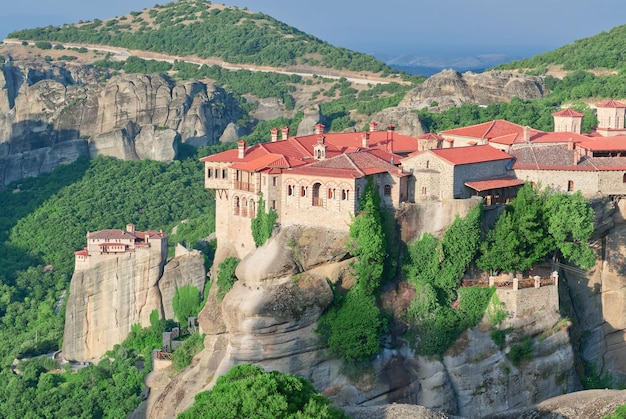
[274,180]
[209,173]
[345,194]
[387,190]
[423,190]
[303,191]
[290,190]
[624,178]
[427,164]
[331,193]
[273,204]
[224,173]
[570,185]
[217,173]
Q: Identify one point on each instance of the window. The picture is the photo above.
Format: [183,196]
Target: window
[274,180]
[427,164]
[224,173]
[274,204]
[423,190]
[303,191]
[570,185]
[290,190]
[217,173]
[345,194]
[209,172]
[387,190]
[624,178]
[331,193]
[236,205]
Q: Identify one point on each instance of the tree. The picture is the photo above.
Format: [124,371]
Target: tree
[186,302]
[226,276]
[263,224]
[248,391]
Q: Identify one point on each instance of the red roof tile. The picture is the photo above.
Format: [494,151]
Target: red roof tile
[615,143]
[430,136]
[488,130]
[468,155]
[485,185]
[568,112]
[610,104]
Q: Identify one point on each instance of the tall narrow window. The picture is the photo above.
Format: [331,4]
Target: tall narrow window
[303,191]
[570,185]
[274,180]
[209,172]
[224,173]
[387,190]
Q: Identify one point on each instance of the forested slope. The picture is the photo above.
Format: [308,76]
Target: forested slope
[232,34]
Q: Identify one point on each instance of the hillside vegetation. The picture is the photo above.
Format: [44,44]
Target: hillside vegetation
[232,34]
[602,51]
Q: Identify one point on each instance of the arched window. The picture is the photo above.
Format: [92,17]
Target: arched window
[290,190]
[317,200]
[345,194]
[624,178]
[387,190]
[244,207]
[236,205]
[209,172]
[224,173]
[252,212]
[331,193]
[303,190]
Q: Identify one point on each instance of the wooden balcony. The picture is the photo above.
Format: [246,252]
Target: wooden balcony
[244,186]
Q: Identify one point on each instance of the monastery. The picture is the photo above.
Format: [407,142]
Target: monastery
[316,180]
[106,243]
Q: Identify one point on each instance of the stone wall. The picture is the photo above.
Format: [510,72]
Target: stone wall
[587,182]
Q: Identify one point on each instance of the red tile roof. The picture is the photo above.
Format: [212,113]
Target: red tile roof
[468,155]
[610,104]
[568,112]
[488,130]
[430,136]
[615,143]
[485,185]
[83,252]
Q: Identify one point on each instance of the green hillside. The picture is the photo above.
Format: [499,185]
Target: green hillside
[603,51]
[232,34]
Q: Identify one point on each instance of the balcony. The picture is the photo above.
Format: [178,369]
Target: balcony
[244,186]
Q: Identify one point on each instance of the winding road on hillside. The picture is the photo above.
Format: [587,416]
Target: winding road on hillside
[122,54]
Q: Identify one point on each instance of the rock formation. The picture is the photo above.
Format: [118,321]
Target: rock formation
[270,315]
[405,121]
[52,113]
[117,291]
[449,88]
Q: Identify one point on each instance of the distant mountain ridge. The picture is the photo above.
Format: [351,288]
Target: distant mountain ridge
[229,33]
[428,65]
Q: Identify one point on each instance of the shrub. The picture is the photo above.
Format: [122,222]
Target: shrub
[182,356]
[521,352]
[226,276]
[43,45]
[186,302]
[263,224]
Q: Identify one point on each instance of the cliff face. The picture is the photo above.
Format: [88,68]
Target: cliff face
[450,88]
[115,292]
[50,114]
[598,297]
[270,315]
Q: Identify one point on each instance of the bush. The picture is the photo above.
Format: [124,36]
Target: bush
[186,303]
[521,352]
[263,224]
[247,391]
[43,45]
[191,346]
[226,276]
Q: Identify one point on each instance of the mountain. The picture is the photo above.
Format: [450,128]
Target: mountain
[227,33]
[427,65]
[602,51]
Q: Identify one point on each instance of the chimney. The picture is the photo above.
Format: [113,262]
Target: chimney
[390,129]
[130,228]
[526,138]
[319,129]
[365,140]
[241,148]
[274,133]
[373,126]
[285,131]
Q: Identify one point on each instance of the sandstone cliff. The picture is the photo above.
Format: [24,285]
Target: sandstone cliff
[450,88]
[52,113]
[270,315]
[115,292]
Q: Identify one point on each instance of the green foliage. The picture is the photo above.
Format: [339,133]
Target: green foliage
[183,356]
[226,276]
[434,268]
[234,35]
[592,379]
[263,224]
[352,326]
[186,303]
[43,45]
[499,337]
[620,413]
[521,352]
[248,391]
[536,224]
[496,311]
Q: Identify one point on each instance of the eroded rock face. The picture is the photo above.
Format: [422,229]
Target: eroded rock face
[450,88]
[270,316]
[116,292]
[405,121]
[132,116]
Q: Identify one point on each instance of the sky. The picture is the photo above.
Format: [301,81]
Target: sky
[426,27]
